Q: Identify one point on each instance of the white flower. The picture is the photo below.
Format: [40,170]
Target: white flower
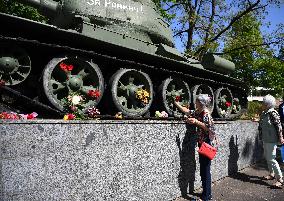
[223,112]
[76,99]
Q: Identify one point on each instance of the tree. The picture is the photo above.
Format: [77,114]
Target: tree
[18,9]
[245,31]
[202,25]
[255,64]
[272,74]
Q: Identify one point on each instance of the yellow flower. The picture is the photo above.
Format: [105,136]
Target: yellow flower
[65,117]
[118,115]
[142,95]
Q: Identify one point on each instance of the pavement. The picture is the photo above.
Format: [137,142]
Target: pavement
[245,185]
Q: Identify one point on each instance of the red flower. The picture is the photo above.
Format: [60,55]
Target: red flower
[228,104]
[66,67]
[6,115]
[71,116]
[178,98]
[94,93]
[30,116]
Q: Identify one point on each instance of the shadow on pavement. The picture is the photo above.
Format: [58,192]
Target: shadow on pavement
[251,179]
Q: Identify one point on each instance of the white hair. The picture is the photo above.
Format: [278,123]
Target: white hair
[203,99]
[269,101]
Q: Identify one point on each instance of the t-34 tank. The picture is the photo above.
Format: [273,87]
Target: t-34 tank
[116,55]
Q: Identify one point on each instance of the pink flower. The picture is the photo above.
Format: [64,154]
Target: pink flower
[32,115]
[164,114]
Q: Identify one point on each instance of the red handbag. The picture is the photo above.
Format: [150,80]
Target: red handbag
[207,150]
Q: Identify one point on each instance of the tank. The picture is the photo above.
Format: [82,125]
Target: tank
[112,55]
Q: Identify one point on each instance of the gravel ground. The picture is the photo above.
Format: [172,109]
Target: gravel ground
[246,185]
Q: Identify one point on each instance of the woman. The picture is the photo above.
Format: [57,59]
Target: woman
[271,134]
[202,119]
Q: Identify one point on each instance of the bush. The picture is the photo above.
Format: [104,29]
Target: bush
[253,110]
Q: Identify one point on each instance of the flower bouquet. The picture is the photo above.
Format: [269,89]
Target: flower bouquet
[15,116]
[162,114]
[142,96]
[74,104]
[225,106]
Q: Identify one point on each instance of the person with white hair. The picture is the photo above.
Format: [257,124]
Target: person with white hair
[271,135]
[202,120]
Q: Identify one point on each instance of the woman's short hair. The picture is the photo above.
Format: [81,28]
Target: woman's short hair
[204,99]
[269,101]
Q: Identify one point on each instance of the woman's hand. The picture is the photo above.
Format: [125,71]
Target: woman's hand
[191,121]
[282,141]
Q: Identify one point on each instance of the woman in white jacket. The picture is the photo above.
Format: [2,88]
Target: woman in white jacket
[271,134]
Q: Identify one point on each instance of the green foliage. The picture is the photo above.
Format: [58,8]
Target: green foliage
[18,9]
[271,74]
[253,111]
[255,64]
[244,32]
[165,14]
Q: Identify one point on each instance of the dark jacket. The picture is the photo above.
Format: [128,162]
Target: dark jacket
[281,111]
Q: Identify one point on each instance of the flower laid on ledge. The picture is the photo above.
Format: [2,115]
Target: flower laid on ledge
[93,112]
[162,114]
[74,104]
[118,115]
[13,115]
[142,95]
[224,105]
[69,117]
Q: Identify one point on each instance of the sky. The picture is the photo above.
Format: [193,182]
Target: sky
[275,16]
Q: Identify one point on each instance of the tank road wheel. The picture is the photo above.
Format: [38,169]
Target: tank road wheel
[174,90]
[223,102]
[203,89]
[238,108]
[15,65]
[132,92]
[69,76]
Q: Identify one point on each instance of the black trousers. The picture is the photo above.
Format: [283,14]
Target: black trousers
[205,175]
